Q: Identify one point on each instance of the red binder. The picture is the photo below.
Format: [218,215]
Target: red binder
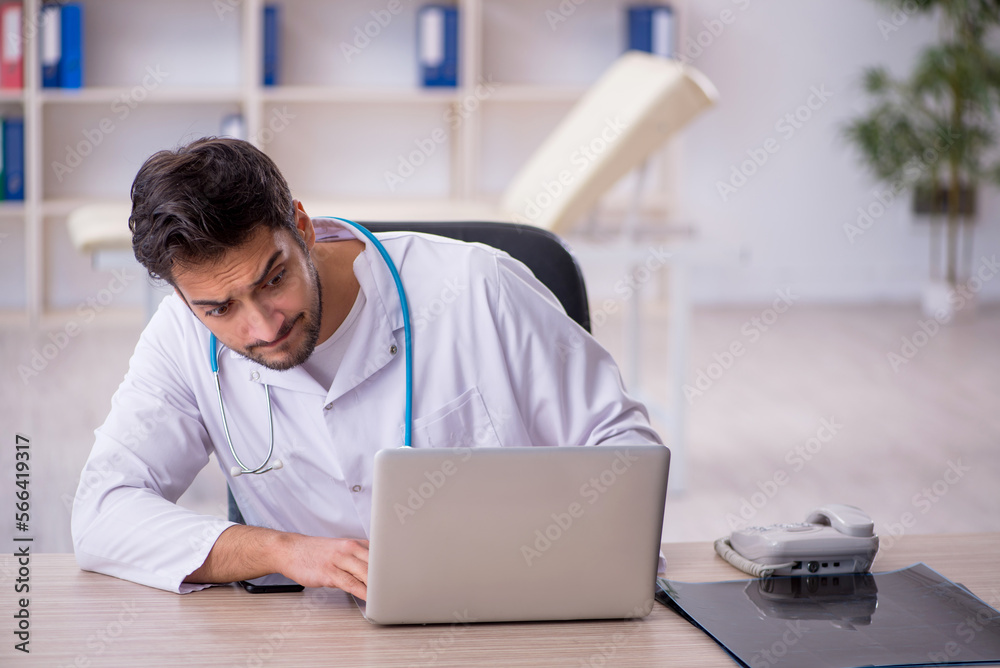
[11,47]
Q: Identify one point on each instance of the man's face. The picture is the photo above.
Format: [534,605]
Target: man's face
[261,299]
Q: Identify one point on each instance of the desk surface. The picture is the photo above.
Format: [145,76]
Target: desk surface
[85,619]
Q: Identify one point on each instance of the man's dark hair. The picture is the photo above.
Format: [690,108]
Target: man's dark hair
[191,205]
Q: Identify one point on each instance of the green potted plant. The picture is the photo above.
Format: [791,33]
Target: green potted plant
[933,133]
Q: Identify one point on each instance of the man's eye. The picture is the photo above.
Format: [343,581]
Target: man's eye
[276,280]
[220,311]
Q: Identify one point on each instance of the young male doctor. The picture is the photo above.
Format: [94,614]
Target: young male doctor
[310,335]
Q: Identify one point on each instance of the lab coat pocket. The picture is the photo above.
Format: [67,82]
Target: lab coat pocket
[463,422]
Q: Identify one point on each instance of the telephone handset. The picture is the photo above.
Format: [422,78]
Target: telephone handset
[835,538]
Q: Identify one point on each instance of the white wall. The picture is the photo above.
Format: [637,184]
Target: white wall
[789,216]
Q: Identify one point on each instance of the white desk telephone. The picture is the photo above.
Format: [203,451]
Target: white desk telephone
[835,538]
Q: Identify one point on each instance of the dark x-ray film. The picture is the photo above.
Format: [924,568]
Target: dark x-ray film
[910,617]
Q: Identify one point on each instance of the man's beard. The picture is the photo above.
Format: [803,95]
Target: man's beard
[312,320]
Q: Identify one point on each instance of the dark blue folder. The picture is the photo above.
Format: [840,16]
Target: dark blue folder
[13,158]
[645,25]
[51,56]
[71,65]
[437,45]
[272,44]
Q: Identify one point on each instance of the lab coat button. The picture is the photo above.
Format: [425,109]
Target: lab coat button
[254,376]
[392,349]
[356,488]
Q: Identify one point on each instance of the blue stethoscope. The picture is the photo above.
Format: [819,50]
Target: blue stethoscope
[267,464]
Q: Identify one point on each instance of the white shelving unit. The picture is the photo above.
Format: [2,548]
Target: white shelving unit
[158,74]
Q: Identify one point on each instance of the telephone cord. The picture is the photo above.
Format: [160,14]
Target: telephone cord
[725,550]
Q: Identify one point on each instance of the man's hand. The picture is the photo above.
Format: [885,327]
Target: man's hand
[243,553]
[329,562]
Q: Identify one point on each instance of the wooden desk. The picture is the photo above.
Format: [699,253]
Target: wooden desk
[85,619]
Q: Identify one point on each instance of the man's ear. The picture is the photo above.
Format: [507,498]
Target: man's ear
[303,223]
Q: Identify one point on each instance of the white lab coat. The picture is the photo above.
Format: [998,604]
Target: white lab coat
[496,363]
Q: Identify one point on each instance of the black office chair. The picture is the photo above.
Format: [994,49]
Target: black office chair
[541,251]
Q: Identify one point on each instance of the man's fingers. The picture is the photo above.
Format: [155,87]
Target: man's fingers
[355,567]
[359,590]
[360,550]
[351,585]
[354,573]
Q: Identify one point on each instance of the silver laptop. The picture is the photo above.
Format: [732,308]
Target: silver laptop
[463,535]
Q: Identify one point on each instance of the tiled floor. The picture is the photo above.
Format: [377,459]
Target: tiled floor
[811,412]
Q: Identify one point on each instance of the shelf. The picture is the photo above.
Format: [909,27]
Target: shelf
[13,210]
[125,316]
[533,93]
[500,93]
[138,95]
[322,94]
[13,318]
[61,207]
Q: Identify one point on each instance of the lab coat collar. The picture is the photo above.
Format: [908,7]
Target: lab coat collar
[374,339]
[295,379]
[378,334]
[379,285]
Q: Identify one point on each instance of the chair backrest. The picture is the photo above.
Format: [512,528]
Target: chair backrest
[626,115]
[540,250]
[545,254]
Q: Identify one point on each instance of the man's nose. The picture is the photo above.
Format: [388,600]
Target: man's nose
[263,323]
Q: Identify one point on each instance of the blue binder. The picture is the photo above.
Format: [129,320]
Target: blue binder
[51,53]
[13,158]
[71,65]
[651,29]
[437,45]
[272,44]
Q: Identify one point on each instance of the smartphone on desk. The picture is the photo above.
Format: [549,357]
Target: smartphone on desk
[275,583]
